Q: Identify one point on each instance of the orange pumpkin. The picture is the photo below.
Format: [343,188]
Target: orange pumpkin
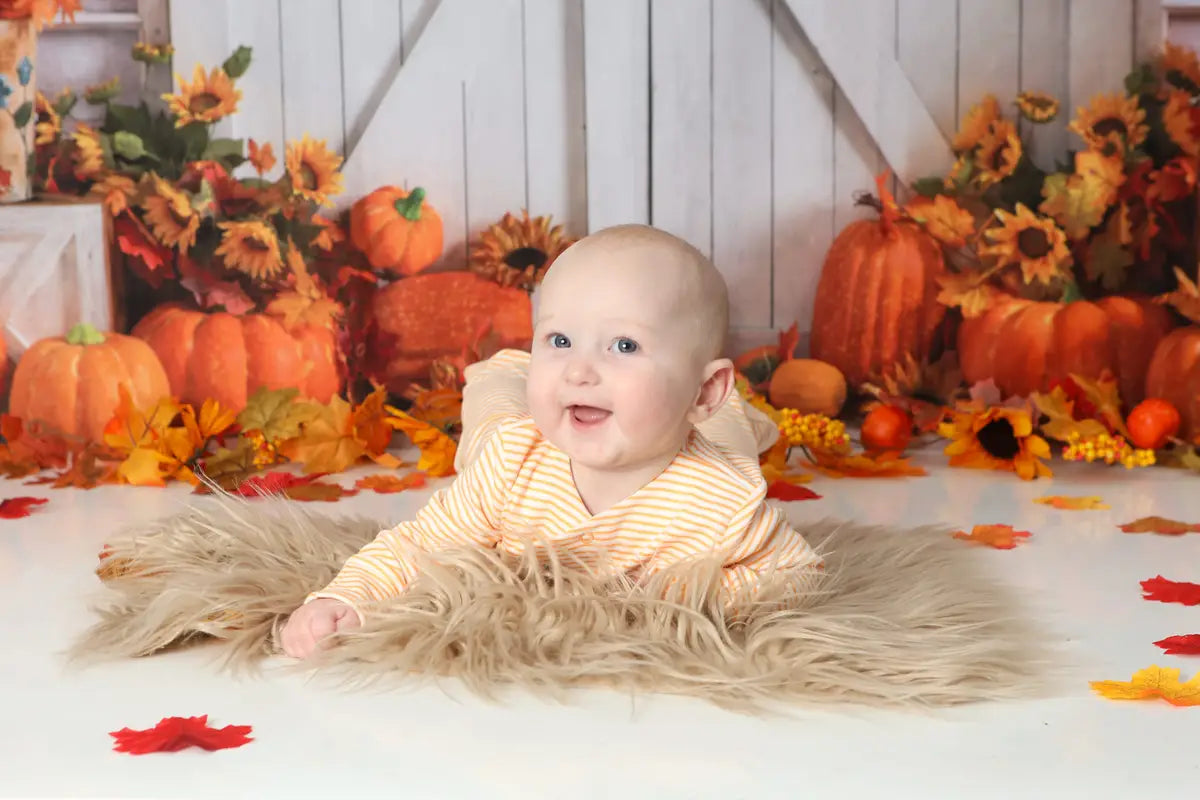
[397,230]
[1027,345]
[876,300]
[1174,376]
[440,315]
[72,382]
[227,358]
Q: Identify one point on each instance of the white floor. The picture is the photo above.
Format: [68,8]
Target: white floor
[314,741]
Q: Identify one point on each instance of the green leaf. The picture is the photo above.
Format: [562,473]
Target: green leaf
[194,138]
[22,114]
[64,102]
[134,119]
[1071,293]
[228,152]
[128,146]
[929,187]
[1139,80]
[106,148]
[236,65]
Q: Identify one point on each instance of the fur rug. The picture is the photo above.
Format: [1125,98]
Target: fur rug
[902,618]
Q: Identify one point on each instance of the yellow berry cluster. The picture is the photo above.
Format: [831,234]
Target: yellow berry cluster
[814,431]
[264,451]
[1109,449]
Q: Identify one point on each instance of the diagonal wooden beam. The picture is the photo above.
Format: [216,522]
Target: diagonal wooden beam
[849,38]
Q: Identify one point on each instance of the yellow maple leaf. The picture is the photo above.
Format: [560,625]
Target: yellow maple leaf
[144,467]
[276,414]
[967,290]
[213,419]
[1060,409]
[943,218]
[437,449]
[1079,201]
[1104,394]
[1153,681]
[296,308]
[1185,298]
[131,427]
[862,465]
[1068,503]
[326,442]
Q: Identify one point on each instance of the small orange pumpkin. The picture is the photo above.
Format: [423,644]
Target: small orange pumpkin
[886,428]
[397,230]
[1174,375]
[1152,422]
[72,382]
[809,386]
[227,358]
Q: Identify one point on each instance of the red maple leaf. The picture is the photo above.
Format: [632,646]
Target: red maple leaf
[135,242]
[1186,645]
[1165,591]
[787,492]
[273,483]
[15,507]
[176,733]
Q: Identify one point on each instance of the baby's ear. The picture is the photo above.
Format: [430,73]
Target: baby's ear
[716,384]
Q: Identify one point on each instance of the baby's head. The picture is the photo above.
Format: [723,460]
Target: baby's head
[629,325]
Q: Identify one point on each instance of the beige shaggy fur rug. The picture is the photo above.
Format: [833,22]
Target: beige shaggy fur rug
[902,618]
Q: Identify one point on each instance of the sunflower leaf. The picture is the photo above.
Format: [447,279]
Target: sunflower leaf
[128,146]
[929,187]
[236,65]
[226,151]
[1139,80]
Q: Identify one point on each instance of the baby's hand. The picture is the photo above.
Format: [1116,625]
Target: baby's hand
[312,622]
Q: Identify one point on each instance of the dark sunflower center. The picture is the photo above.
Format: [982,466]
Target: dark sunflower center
[308,175]
[1033,242]
[998,440]
[997,159]
[256,245]
[1110,125]
[1040,103]
[524,257]
[206,101]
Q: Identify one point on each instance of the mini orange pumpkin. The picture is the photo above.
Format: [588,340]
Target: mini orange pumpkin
[72,382]
[809,386]
[227,358]
[397,230]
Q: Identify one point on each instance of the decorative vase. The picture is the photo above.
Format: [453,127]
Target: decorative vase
[18,55]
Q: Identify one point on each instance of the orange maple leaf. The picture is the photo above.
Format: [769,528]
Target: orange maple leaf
[327,440]
[390,484]
[372,429]
[1153,681]
[262,157]
[437,449]
[1072,503]
[1168,527]
[294,309]
[943,218]
[887,464]
[441,408]
[31,447]
[1001,537]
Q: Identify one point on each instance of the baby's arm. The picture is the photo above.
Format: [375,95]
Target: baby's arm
[766,547]
[494,393]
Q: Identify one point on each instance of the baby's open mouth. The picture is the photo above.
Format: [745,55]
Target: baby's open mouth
[588,415]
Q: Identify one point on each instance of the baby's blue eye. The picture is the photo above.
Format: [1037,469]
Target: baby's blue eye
[624,345]
[559,340]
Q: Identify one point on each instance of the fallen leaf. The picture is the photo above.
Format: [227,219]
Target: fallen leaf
[327,441]
[93,465]
[16,507]
[30,447]
[372,429]
[272,483]
[1186,645]
[1001,537]
[390,484]
[1154,681]
[1166,591]
[1105,396]
[789,492]
[144,467]
[1067,503]
[274,412]
[863,465]
[176,733]
[1161,525]
[437,449]
[326,492]
[1058,406]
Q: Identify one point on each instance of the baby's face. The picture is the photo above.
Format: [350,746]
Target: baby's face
[614,368]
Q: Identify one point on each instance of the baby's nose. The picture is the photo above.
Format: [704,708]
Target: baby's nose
[581,370]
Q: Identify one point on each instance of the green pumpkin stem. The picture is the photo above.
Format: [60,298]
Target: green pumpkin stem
[410,207]
[83,333]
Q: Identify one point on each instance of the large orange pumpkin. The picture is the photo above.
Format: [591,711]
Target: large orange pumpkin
[1174,375]
[72,382]
[397,230]
[1026,345]
[440,314]
[876,301]
[227,358]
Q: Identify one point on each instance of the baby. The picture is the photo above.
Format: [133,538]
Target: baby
[610,458]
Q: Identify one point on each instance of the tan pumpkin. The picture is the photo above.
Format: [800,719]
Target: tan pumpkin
[809,386]
[72,382]
[876,301]
[1027,345]
[227,358]
[1174,376]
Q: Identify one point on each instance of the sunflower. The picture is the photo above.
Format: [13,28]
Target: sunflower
[1180,67]
[999,153]
[1000,438]
[1035,242]
[1037,106]
[251,247]
[313,170]
[89,154]
[171,215]
[976,124]
[116,190]
[49,124]
[517,252]
[206,99]
[1111,121]
[1180,119]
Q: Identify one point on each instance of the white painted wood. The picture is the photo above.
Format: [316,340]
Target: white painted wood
[200,33]
[555,138]
[1098,60]
[742,191]
[371,33]
[414,16]
[929,57]
[803,173]
[106,20]
[681,111]
[311,57]
[857,158]
[617,97]
[989,53]
[260,113]
[1150,29]
[495,118]
[156,29]
[1045,69]
[53,270]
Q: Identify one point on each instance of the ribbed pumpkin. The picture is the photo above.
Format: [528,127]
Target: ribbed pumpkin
[809,386]
[227,358]
[876,300]
[72,382]
[397,230]
[1027,345]
[440,314]
[1174,375]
